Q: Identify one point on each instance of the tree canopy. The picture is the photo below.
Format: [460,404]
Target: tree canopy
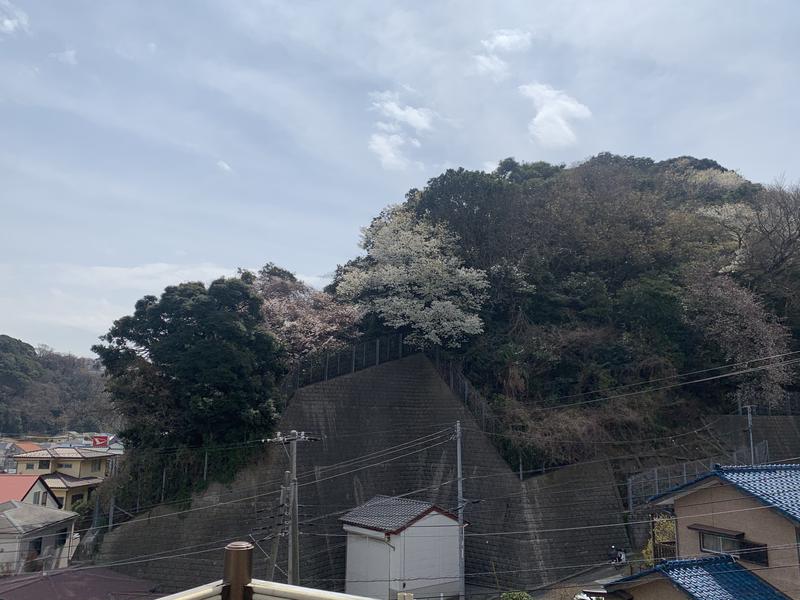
[195,366]
[414,280]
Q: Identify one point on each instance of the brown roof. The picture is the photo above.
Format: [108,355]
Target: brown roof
[27,446]
[68,584]
[60,481]
[74,453]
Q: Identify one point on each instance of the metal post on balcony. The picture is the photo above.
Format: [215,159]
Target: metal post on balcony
[237,570]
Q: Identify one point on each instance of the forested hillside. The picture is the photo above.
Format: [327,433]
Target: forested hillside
[584,302]
[42,391]
[559,287]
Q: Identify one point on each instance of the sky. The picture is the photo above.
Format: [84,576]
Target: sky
[144,143]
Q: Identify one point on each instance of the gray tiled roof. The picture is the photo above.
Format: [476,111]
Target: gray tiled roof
[23,517]
[388,513]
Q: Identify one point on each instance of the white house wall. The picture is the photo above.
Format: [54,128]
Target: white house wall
[425,557]
[43,491]
[367,566]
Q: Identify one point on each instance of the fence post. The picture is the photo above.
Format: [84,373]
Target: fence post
[684,472]
[377,351]
[630,494]
[354,359]
[327,358]
[400,347]
[163,483]
[205,466]
[111,514]
[655,476]
[237,570]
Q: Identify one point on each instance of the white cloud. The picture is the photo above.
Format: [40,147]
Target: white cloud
[149,278]
[490,165]
[388,104]
[507,40]
[12,19]
[316,281]
[554,111]
[388,148]
[398,128]
[489,64]
[67,57]
[223,166]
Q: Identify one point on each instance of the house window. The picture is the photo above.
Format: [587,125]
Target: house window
[29,466]
[64,465]
[44,464]
[44,498]
[744,549]
[36,497]
[36,546]
[95,465]
[76,498]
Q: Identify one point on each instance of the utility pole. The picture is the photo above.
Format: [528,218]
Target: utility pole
[273,557]
[294,525]
[459,474]
[749,408]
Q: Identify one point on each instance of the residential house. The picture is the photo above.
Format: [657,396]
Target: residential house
[740,528]
[34,538]
[712,578]
[9,449]
[72,473]
[390,549]
[30,489]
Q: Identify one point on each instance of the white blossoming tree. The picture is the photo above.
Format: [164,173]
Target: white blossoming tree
[413,279]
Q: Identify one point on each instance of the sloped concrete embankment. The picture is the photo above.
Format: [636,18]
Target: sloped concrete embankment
[560,521]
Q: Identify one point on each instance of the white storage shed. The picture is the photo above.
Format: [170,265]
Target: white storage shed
[401,545]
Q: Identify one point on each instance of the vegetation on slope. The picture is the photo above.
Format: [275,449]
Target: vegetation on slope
[613,272]
[42,391]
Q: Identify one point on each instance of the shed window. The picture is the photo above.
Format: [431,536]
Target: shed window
[44,464]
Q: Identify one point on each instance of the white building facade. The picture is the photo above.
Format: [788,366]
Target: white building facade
[401,545]
[35,538]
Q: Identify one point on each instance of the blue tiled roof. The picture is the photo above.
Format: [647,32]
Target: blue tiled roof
[713,578]
[774,485]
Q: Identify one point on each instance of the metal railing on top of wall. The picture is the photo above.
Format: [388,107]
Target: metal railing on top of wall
[323,366]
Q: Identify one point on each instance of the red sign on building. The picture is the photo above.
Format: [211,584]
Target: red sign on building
[99,441]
